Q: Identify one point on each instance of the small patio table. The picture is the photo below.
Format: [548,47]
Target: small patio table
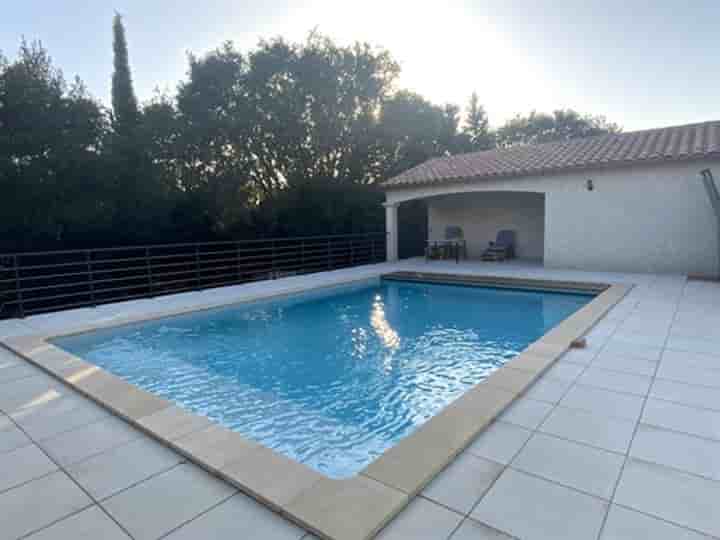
[446,249]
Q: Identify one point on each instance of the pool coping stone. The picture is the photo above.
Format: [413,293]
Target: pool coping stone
[355,508]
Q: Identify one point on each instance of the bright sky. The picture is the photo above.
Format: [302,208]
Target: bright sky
[641,64]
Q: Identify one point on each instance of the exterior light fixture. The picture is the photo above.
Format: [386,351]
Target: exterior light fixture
[589,184]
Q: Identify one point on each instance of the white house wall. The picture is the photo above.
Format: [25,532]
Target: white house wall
[482,215]
[637,219]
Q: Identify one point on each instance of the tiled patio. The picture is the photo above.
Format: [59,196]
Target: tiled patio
[617,441]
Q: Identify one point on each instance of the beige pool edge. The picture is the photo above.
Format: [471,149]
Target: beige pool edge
[356,508]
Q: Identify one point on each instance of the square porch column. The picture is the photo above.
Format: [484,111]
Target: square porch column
[391,228]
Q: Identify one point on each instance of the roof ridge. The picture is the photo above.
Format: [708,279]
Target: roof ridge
[588,138]
[673,143]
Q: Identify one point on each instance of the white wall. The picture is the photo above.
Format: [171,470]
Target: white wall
[482,215]
[638,219]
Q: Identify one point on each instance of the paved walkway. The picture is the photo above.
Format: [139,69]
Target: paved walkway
[618,441]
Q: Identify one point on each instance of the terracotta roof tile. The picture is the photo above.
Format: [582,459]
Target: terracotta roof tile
[675,143]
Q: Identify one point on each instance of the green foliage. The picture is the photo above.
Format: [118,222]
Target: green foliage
[561,125]
[124,102]
[285,139]
[476,128]
[321,207]
[412,130]
[50,160]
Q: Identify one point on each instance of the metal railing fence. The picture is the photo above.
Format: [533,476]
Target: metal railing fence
[36,282]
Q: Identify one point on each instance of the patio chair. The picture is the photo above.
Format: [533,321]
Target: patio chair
[502,248]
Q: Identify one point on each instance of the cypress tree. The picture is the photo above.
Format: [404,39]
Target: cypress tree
[476,124]
[125,106]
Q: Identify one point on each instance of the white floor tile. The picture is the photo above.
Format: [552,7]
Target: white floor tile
[109,472]
[582,357]
[681,343]
[421,520]
[81,443]
[22,465]
[644,336]
[526,412]
[616,381]
[13,372]
[25,392]
[624,524]
[572,464]
[686,358]
[166,501]
[39,503]
[689,374]
[463,482]
[682,418]
[698,396]
[565,371]
[11,437]
[685,452]
[90,524]
[625,364]
[473,530]
[238,517]
[531,508]
[611,434]
[46,419]
[499,442]
[603,402]
[678,497]
[623,348]
[549,389]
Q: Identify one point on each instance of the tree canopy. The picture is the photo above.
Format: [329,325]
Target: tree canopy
[561,125]
[124,102]
[286,138]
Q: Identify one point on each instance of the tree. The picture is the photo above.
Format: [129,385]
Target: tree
[476,128]
[561,125]
[284,139]
[258,126]
[124,102]
[414,130]
[50,163]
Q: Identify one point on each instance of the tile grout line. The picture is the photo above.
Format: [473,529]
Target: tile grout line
[642,412]
[557,404]
[82,488]
[664,520]
[213,507]
[506,466]
[535,430]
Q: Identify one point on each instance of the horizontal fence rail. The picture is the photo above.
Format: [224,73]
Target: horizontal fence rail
[37,282]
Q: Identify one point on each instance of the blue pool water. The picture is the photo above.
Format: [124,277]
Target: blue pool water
[331,379]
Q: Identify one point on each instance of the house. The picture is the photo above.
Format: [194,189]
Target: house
[633,202]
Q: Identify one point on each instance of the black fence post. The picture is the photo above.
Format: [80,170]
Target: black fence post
[18,288]
[197,267]
[272,261]
[352,252]
[239,266]
[372,249]
[91,281]
[148,269]
[329,254]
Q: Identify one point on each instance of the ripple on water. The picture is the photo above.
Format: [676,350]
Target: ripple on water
[330,379]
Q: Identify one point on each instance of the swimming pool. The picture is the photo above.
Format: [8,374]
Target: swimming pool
[330,378]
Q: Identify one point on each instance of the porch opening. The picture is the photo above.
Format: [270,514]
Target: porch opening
[480,215]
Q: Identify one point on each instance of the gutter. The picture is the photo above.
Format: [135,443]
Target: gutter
[714,196]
